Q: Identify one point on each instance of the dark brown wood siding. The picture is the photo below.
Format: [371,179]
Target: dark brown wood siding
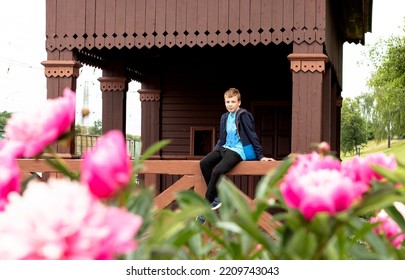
[192,89]
[334,42]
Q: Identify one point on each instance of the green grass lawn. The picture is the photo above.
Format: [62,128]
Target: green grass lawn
[397,148]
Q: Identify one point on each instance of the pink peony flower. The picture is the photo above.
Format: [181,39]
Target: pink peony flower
[107,168]
[36,129]
[61,219]
[301,166]
[389,227]
[312,162]
[324,148]
[315,183]
[359,168]
[11,149]
[322,190]
[9,173]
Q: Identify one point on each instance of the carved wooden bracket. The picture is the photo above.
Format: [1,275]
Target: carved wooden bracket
[149,94]
[61,68]
[308,62]
[339,101]
[113,84]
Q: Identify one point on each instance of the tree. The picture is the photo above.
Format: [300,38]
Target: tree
[387,85]
[96,129]
[353,126]
[4,116]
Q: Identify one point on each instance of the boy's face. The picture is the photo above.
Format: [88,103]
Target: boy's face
[232,104]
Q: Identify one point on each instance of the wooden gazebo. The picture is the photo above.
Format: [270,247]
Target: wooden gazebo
[285,56]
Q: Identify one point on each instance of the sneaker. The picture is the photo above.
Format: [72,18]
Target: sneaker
[200,219]
[216,204]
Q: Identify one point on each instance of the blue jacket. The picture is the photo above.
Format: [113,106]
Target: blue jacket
[246,131]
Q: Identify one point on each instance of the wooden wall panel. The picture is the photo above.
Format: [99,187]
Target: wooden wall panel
[320,20]
[140,28]
[234,15]
[130,14]
[191,25]
[244,25]
[277,21]
[120,21]
[100,22]
[299,21]
[80,23]
[254,36]
[109,19]
[150,20]
[310,18]
[160,23]
[333,43]
[71,26]
[61,24]
[288,21]
[212,26]
[51,19]
[202,22]
[170,39]
[90,23]
[265,23]
[223,21]
[181,22]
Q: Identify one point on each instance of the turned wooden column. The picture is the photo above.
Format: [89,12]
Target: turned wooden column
[59,75]
[114,92]
[307,100]
[150,126]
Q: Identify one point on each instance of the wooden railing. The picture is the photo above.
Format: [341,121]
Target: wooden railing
[191,178]
[86,141]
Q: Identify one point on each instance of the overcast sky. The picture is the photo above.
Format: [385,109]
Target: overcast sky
[22,49]
[387,20]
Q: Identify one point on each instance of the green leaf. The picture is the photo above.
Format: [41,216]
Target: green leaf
[396,216]
[377,245]
[154,149]
[232,198]
[400,161]
[60,165]
[396,176]
[236,208]
[377,200]
[137,165]
[321,225]
[270,180]
[303,245]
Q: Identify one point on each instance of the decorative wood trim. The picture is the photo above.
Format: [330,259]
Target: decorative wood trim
[307,62]
[149,95]
[61,68]
[113,84]
[111,23]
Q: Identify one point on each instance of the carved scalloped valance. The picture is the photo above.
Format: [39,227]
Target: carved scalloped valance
[149,95]
[61,68]
[308,62]
[113,84]
[130,24]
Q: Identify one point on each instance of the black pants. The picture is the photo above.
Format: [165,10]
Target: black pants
[215,164]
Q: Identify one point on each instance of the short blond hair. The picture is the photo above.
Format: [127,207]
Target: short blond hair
[231,92]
